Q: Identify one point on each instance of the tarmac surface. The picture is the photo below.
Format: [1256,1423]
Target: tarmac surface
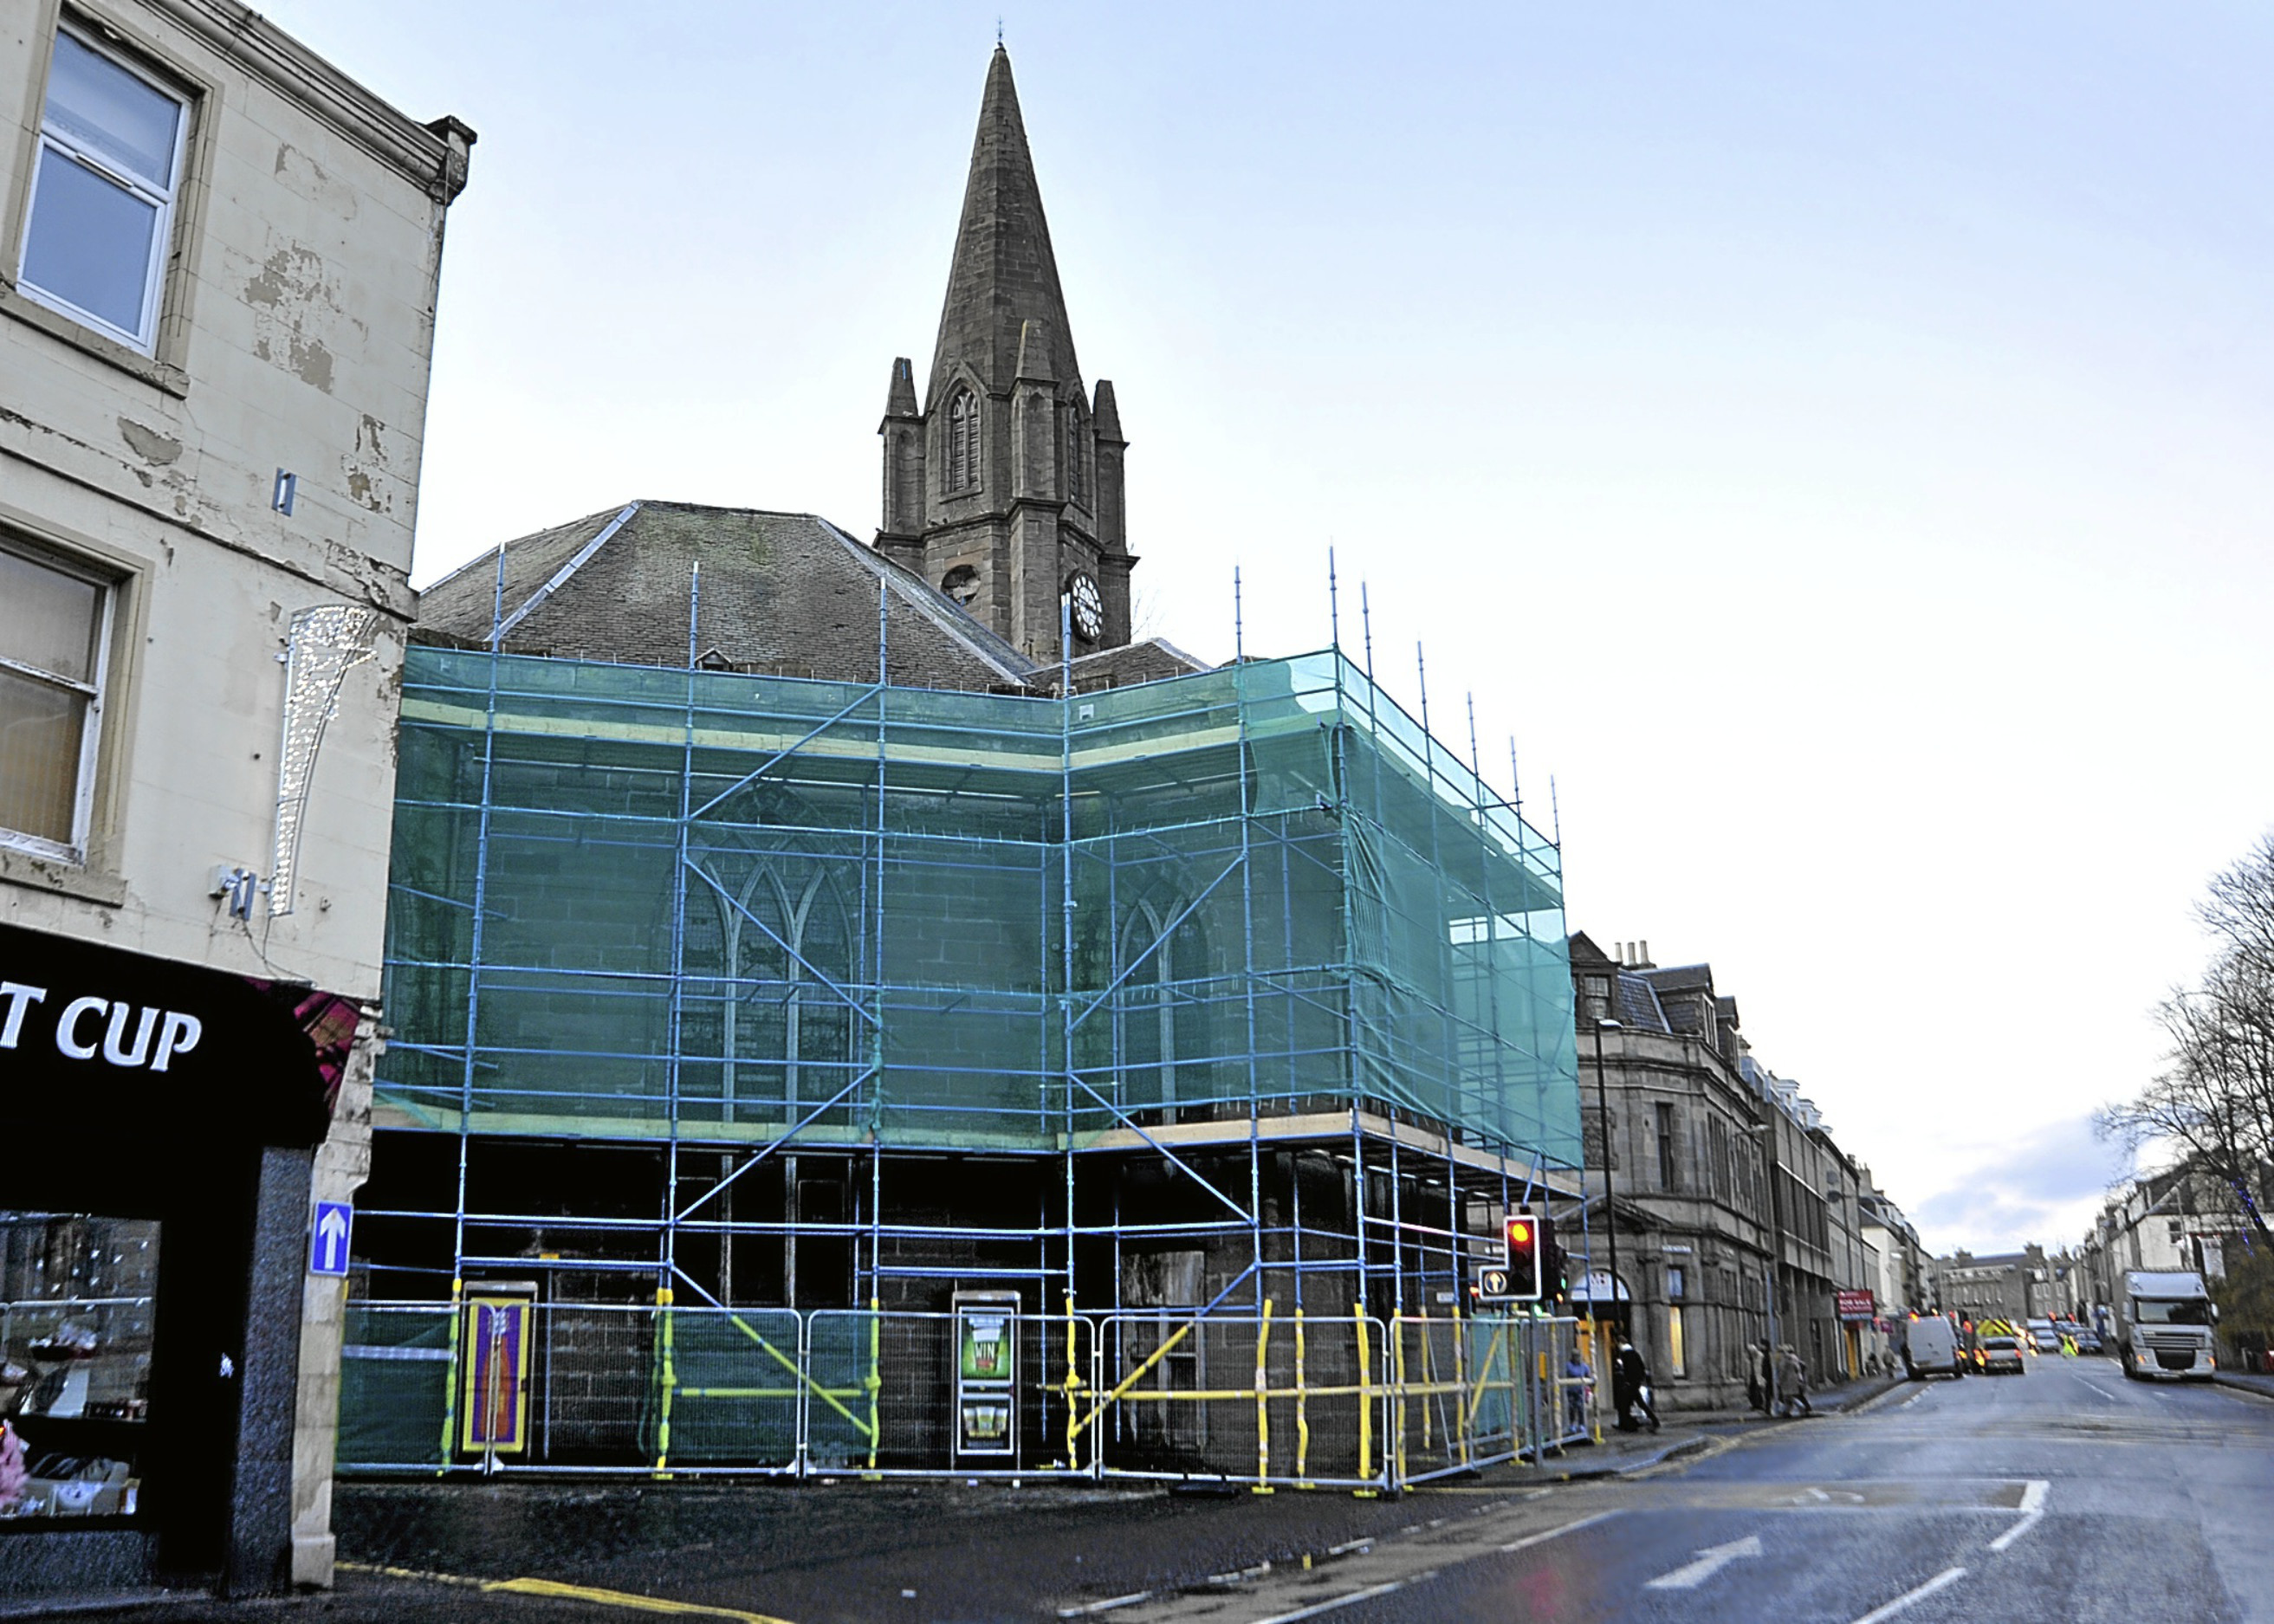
[2068,1493]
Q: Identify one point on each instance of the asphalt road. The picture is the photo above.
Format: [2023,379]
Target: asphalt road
[2065,1494]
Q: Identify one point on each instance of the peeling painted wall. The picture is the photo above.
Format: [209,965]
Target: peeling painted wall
[296,335]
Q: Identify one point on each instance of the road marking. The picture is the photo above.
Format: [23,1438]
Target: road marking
[624,1598]
[1530,1540]
[2033,1498]
[2029,1520]
[1355,1597]
[1108,1605]
[1948,1575]
[1710,1562]
[565,1592]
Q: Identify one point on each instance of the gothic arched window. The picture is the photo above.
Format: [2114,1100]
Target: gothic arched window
[962,440]
[1074,455]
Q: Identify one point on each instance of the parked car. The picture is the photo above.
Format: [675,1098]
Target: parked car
[2045,1341]
[2087,1340]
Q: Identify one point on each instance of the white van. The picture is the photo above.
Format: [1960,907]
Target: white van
[1930,1347]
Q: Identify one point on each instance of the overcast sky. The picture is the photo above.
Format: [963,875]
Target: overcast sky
[1834,441]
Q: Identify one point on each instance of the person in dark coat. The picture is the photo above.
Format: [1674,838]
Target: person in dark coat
[1630,1386]
[1760,1390]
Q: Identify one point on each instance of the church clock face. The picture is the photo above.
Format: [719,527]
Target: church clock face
[1087,605]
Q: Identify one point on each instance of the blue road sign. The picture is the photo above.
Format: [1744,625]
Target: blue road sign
[327,1242]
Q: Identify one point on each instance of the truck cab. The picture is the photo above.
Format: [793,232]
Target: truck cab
[2164,1329]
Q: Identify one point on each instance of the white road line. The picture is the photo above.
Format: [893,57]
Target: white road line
[1530,1540]
[2029,1520]
[2033,1498]
[1107,1606]
[1355,1597]
[1948,1575]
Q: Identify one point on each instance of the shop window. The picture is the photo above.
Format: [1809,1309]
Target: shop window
[103,186]
[54,632]
[77,1294]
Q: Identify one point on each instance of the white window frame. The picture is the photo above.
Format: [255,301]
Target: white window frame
[90,742]
[162,238]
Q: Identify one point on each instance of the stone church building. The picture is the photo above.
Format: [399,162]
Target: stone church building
[1003,512]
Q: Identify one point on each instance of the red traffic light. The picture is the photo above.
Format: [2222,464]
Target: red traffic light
[1525,1272]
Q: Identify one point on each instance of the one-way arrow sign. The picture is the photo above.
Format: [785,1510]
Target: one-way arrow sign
[1710,1562]
[327,1242]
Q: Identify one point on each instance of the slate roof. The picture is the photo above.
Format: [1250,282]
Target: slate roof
[785,593]
[1638,1004]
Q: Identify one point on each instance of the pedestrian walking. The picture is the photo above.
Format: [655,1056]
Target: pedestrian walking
[1578,1389]
[1630,1388]
[1760,1376]
[1791,1384]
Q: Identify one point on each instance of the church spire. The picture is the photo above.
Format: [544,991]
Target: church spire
[1004,489]
[1004,274]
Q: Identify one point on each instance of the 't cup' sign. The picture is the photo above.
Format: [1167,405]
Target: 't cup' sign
[121,1033]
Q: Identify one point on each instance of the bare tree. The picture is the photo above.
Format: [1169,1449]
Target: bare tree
[2214,1101]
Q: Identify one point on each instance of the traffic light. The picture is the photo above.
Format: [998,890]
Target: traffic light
[1527,1255]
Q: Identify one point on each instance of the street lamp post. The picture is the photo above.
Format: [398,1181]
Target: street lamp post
[1603,1112]
[1776,1232]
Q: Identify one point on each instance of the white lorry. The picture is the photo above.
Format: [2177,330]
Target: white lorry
[2163,1326]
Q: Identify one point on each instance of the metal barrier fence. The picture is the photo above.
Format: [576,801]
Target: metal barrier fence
[1271,1401]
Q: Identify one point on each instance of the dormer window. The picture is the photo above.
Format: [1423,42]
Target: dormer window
[962,440]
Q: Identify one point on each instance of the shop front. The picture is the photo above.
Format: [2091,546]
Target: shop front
[160,1121]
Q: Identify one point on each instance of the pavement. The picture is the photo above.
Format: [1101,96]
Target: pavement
[2248,1382]
[2068,1493]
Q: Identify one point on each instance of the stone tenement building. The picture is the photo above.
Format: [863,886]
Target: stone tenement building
[219,261]
[1723,1179]
[2012,1285]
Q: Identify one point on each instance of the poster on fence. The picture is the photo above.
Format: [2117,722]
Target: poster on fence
[493,1362]
[986,1372]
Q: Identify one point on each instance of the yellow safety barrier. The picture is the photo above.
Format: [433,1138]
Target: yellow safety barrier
[875,1375]
[1138,1375]
[668,1381]
[1302,1410]
[867,1429]
[1365,1399]
[1263,1403]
